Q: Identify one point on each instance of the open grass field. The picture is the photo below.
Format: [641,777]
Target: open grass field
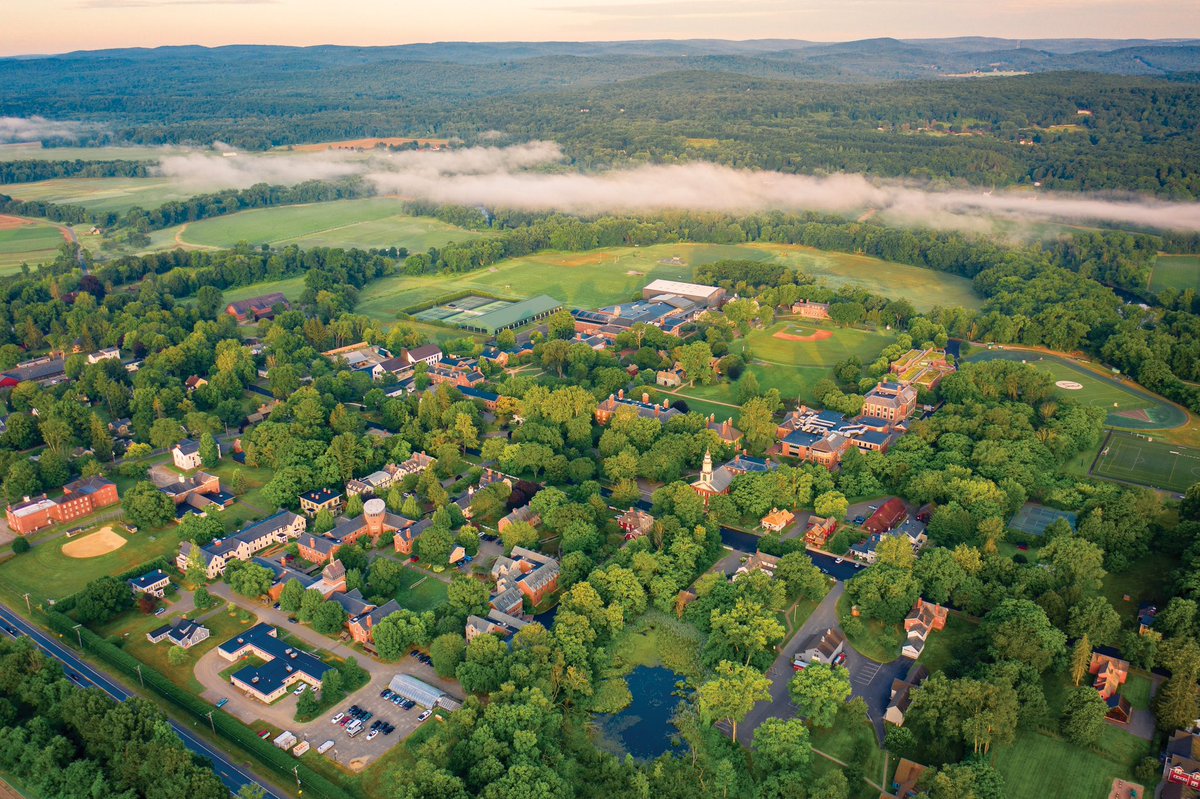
[1176,272]
[24,152]
[372,222]
[27,241]
[1129,406]
[1037,766]
[1150,463]
[769,344]
[222,626]
[1142,582]
[103,194]
[291,288]
[419,591]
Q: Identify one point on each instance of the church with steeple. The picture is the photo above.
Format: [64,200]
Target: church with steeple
[712,482]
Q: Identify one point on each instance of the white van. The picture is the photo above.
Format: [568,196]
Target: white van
[354,728]
[325,747]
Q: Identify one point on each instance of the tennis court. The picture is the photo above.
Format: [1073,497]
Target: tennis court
[460,310]
[1033,519]
[1147,462]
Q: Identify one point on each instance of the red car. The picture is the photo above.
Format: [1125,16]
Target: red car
[840,659]
[413,559]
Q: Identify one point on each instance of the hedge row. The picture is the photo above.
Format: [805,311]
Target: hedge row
[225,725]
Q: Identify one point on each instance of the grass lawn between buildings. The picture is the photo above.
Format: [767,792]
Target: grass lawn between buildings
[1037,765]
[419,591]
[878,641]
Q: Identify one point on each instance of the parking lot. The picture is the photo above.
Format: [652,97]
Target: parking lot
[351,752]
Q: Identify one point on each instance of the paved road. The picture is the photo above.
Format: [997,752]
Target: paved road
[232,776]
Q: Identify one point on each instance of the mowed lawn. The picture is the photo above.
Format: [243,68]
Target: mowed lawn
[1037,766]
[419,591]
[1176,272]
[1151,463]
[46,573]
[1129,406]
[366,223]
[764,345]
[103,194]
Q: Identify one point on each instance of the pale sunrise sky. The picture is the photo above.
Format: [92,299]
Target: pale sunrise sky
[53,26]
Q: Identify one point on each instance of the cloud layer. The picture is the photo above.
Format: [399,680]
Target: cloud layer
[30,129]
[531,177]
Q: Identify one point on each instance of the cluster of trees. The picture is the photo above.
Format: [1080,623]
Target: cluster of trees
[27,170]
[60,740]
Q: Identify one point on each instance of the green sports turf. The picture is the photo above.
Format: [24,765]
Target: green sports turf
[33,244]
[1146,412]
[1150,463]
[1176,272]
[1033,519]
[763,345]
[374,222]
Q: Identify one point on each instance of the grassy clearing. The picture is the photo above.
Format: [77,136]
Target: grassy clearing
[373,222]
[878,641]
[34,242]
[1142,582]
[222,626]
[850,732]
[103,194]
[1151,463]
[37,152]
[1129,407]
[948,646]
[291,288]
[1180,272]
[430,592]
[1037,765]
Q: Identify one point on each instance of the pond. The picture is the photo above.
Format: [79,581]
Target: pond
[644,729]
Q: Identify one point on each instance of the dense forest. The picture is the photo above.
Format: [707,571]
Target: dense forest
[743,109]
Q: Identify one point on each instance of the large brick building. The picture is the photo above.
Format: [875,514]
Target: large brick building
[79,498]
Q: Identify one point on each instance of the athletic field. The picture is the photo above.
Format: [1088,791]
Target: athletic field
[1033,518]
[806,343]
[1129,406]
[1176,272]
[1150,463]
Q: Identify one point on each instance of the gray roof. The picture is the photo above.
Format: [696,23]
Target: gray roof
[418,691]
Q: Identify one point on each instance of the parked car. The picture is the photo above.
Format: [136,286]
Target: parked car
[346,721]
[397,700]
[303,687]
[264,734]
[840,560]
[840,659]
[367,716]
[338,718]
[222,702]
[291,619]
[160,611]
[371,735]
[859,519]
[409,704]
[385,693]
[424,715]
[276,606]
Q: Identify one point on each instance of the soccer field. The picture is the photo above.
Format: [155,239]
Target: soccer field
[1151,463]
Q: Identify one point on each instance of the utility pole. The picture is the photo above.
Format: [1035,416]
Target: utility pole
[140,679]
[210,722]
[296,771]
[27,606]
[78,635]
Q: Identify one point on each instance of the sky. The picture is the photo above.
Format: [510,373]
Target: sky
[54,26]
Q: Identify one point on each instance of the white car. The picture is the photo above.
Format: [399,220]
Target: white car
[372,734]
[337,718]
[424,715]
[301,689]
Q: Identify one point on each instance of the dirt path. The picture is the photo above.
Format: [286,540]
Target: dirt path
[8,792]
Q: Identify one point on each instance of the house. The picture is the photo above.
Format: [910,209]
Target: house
[121,428]
[904,782]
[725,430]
[887,516]
[405,539]
[362,626]
[283,666]
[712,483]
[923,619]
[758,562]
[187,634]
[1181,766]
[154,583]
[532,574]
[744,464]
[635,523]
[807,309]
[609,408]
[821,648]
[256,308]
[820,530]
[489,400]
[1146,617]
[80,498]
[194,382]
[890,401]
[106,354]
[1110,673]
[901,695]
[196,491]
[186,455]
[317,500]
[669,378]
[524,513]
[496,623]
[777,520]
[280,528]
[427,354]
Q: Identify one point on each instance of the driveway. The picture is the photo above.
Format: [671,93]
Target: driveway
[868,679]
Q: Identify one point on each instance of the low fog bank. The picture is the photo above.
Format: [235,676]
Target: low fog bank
[530,177]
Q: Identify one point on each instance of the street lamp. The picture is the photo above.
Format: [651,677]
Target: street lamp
[78,635]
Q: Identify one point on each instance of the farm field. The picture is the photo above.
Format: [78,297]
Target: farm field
[1129,407]
[1176,272]
[27,241]
[1158,464]
[373,222]
[103,194]
[24,152]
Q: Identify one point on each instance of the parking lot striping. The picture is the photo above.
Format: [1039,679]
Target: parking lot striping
[863,678]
